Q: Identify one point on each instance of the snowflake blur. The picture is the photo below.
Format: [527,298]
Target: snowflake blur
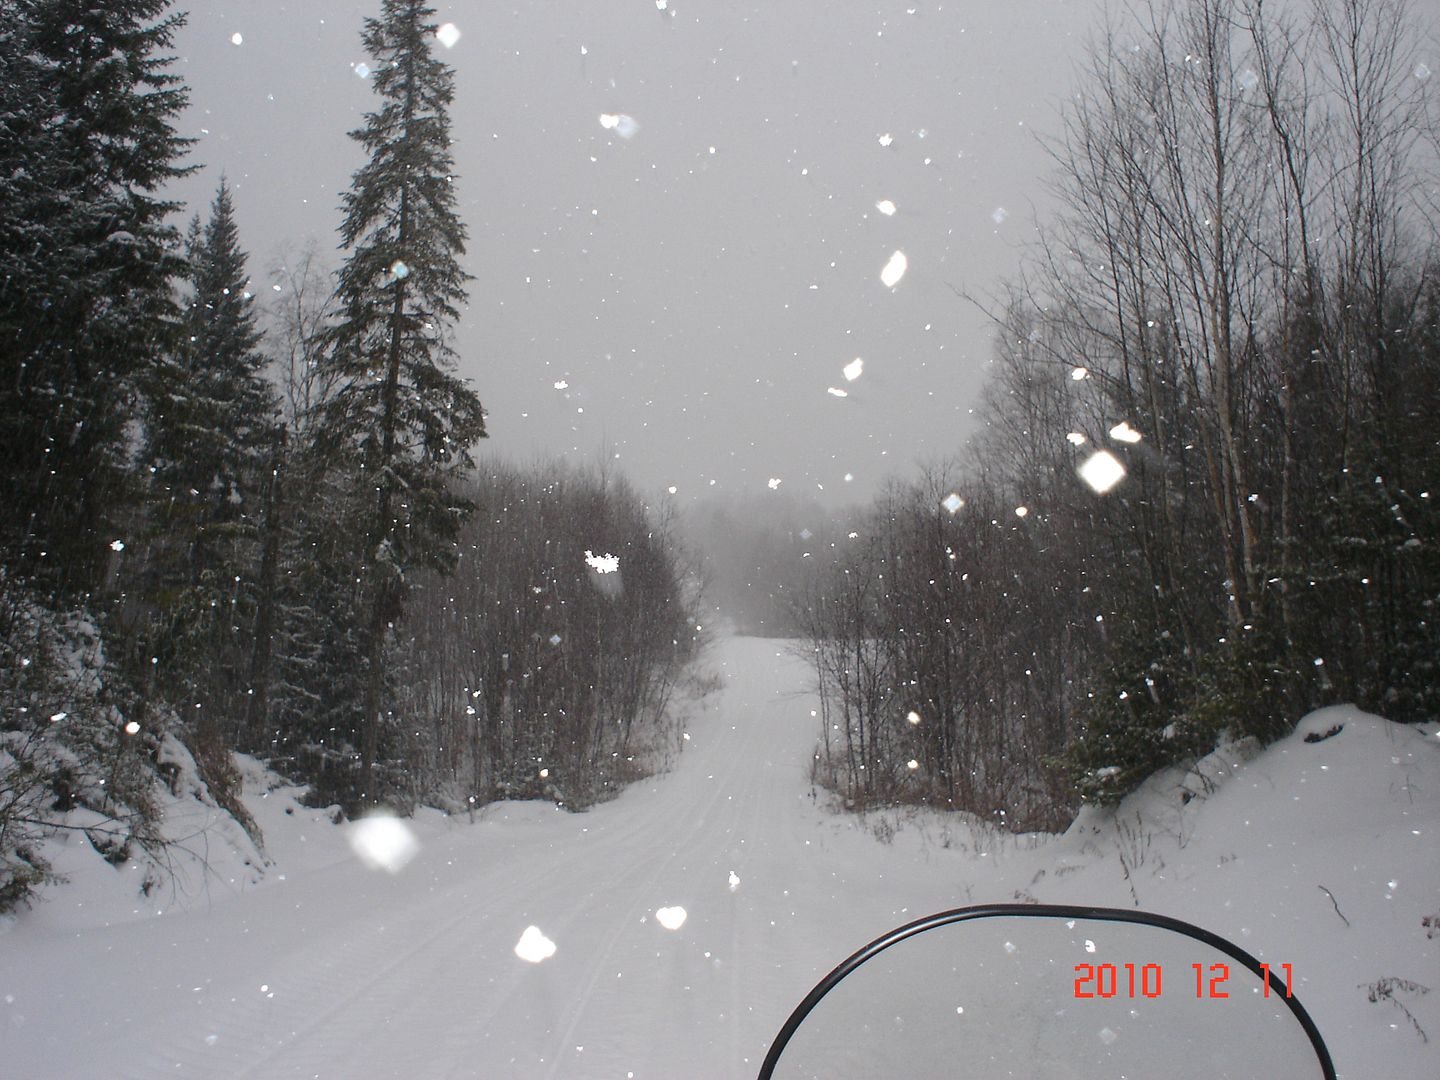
[1102,471]
[623,125]
[602,564]
[894,270]
[383,842]
[534,946]
[1123,432]
[671,918]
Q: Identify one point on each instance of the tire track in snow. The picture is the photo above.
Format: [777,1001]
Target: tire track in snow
[644,896]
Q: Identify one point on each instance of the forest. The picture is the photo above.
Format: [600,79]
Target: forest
[1201,502]
[1198,503]
[231,528]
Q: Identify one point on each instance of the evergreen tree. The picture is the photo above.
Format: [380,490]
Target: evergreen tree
[399,422]
[210,417]
[86,144]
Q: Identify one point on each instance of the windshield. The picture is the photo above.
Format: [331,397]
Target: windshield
[529,534]
[1037,990]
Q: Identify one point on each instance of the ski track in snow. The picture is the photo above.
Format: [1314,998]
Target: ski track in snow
[370,976]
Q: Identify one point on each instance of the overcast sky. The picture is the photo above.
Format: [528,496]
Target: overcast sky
[683,300]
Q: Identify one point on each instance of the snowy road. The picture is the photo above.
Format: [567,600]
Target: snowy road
[345,972]
[327,969]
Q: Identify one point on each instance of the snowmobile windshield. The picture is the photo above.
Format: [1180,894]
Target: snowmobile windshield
[1053,993]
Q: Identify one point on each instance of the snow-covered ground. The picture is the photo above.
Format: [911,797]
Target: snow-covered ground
[1320,854]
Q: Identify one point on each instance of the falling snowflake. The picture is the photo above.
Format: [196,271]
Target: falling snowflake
[383,842]
[1075,439]
[999,214]
[561,385]
[602,564]
[952,502]
[1102,471]
[886,207]
[1078,374]
[555,639]
[448,35]
[886,139]
[837,392]
[894,270]
[1422,72]
[117,545]
[237,39]
[854,368]
[1123,432]
[774,483]
[534,946]
[623,125]
[671,918]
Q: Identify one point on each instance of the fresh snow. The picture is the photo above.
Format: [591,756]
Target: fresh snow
[689,916]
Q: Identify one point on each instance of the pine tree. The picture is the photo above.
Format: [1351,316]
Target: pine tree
[210,410]
[400,422]
[86,144]
[209,421]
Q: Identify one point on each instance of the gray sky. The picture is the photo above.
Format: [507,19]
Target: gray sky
[701,285]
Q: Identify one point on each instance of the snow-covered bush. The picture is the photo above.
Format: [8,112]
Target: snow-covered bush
[69,756]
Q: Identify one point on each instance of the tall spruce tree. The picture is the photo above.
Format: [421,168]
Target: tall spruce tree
[209,423]
[400,422]
[86,144]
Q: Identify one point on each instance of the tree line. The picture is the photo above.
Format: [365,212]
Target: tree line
[1202,499]
[235,530]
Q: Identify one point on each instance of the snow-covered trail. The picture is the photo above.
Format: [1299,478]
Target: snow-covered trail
[1317,853]
[349,973]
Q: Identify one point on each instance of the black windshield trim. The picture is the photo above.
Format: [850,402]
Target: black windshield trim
[1049,911]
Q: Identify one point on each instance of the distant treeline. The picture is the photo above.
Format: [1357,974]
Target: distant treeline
[1203,501]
